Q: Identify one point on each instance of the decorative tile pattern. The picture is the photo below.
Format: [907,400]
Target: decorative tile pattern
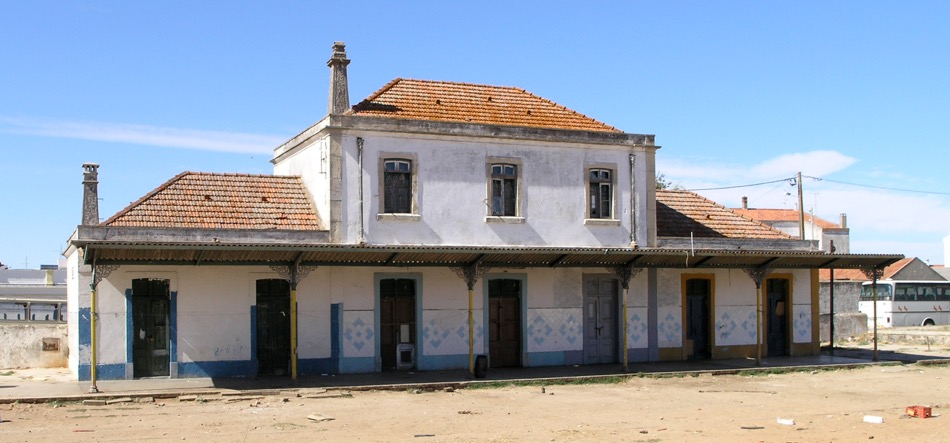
[801,323]
[445,332]
[670,327]
[637,328]
[735,326]
[359,335]
[555,329]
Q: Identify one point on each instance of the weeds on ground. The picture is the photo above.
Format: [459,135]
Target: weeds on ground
[609,380]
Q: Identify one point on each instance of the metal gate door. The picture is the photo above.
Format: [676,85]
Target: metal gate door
[600,320]
[150,357]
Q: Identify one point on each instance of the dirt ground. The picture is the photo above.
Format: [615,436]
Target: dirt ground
[824,406]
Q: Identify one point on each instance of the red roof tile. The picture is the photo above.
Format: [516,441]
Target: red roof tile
[858,275]
[783,215]
[685,213]
[223,201]
[471,103]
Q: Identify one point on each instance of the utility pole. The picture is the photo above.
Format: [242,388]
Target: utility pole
[801,208]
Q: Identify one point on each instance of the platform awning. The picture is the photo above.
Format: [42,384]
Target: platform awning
[211,253]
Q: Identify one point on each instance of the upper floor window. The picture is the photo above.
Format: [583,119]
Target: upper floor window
[504,189]
[601,193]
[397,186]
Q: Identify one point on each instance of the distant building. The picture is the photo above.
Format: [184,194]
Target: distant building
[33,318]
[788,221]
[848,282]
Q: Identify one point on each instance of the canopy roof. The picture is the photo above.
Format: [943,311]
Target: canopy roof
[211,253]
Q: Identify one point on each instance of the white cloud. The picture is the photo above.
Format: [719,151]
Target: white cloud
[144,135]
[707,173]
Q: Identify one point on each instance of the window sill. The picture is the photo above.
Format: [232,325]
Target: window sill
[398,217]
[601,222]
[505,220]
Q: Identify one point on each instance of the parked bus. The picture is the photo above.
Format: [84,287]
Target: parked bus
[907,303]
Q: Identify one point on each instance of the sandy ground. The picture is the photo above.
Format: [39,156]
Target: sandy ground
[824,405]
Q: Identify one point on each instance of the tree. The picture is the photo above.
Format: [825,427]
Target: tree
[663,183]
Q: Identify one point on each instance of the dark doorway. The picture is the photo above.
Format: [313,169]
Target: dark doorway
[504,323]
[397,323]
[698,295]
[777,335]
[273,327]
[600,320]
[150,345]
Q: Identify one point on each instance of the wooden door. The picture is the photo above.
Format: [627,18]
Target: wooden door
[273,327]
[777,335]
[504,323]
[397,320]
[150,343]
[600,320]
[698,318]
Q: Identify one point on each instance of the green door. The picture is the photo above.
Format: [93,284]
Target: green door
[150,302]
[273,327]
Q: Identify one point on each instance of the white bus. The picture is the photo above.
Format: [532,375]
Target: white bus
[907,303]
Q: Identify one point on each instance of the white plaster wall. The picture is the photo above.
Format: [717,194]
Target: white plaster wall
[312,164]
[452,192]
[313,314]
[23,345]
[110,300]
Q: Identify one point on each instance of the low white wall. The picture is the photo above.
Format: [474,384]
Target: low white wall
[23,345]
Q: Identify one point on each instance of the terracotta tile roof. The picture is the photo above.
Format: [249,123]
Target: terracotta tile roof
[783,215]
[223,201]
[471,103]
[858,275]
[681,213]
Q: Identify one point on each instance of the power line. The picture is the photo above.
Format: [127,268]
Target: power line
[792,180]
[744,186]
[877,187]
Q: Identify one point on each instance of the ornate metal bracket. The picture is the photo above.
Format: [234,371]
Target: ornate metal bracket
[470,274]
[100,272]
[758,274]
[293,273]
[625,273]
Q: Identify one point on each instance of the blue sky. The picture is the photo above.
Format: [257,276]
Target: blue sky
[736,93]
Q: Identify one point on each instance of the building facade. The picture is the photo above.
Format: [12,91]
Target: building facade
[429,225]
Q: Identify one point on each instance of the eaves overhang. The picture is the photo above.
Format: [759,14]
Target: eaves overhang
[205,253]
[391,125]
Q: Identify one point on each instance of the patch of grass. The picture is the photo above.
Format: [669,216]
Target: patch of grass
[780,370]
[6,373]
[608,380]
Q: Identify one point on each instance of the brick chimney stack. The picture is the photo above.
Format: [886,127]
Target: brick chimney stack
[745,202]
[90,194]
[339,89]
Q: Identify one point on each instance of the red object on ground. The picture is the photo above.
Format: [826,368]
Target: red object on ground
[918,411]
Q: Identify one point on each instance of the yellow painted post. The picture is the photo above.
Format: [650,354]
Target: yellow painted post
[293,334]
[625,292]
[92,339]
[758,323]
[471,334]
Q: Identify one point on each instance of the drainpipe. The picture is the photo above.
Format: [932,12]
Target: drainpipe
[633,202]
[359,158]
